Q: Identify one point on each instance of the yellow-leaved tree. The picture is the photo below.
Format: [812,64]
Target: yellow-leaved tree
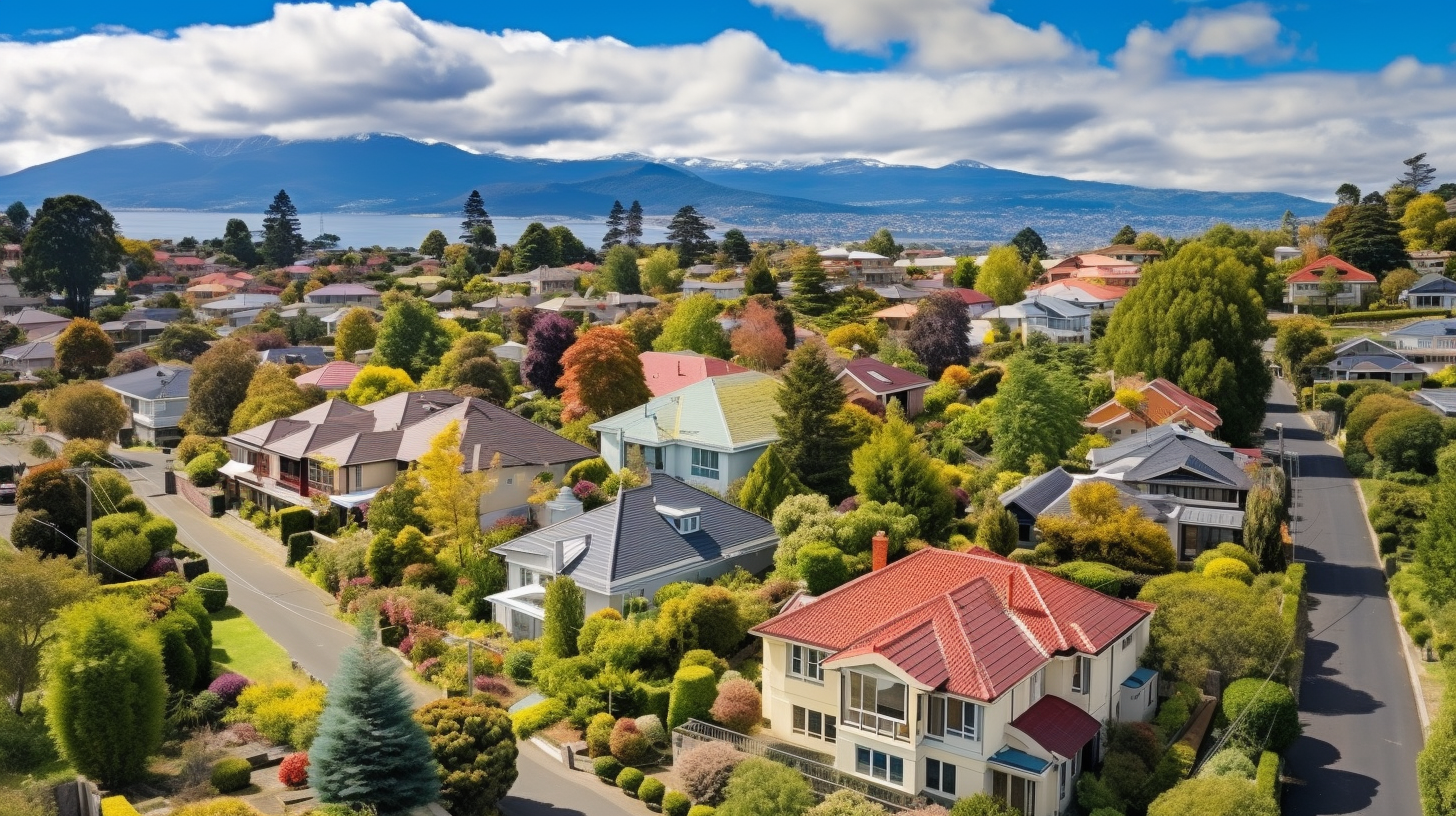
[450,500]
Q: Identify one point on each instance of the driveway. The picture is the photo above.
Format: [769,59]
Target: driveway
[1361,733]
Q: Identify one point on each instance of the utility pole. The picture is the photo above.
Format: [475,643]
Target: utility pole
[85,473]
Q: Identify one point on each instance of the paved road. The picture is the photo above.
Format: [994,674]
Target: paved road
[546,788]
[1362,733]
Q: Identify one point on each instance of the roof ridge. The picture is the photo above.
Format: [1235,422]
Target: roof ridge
[1024,571]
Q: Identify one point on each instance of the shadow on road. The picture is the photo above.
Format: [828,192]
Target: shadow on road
[1328,790]
[1321,693]
[516,806]
[1345,580]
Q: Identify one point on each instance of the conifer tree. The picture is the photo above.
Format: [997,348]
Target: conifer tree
[735,246]
[369,749]
[615,219]
[565,612]
[237,241]
[1030,245]
[1370,240]
[810,295]
[768,483]
[760,278]
[813,440]
[477,228]
[1126,235]
[282,241]
[633,229]
[893,466]
[997,528]
[689,231]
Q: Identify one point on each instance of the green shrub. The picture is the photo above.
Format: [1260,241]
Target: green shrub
[1220,796]
[231,774]
[1388,314]
[694,688]
[1172,716]
[520,657]
[1255,708]
[1226,550]
[629,780]
[25,741]
[299,546]
[593,470]
[651,791]
[1229,568]
[214,590]
[703,657]
[1228,762]
[599,735]
[542,715]
[822,567]
[628,744]
[676,803]
[655,700]
[606,768]
[293,520]
[702,810]
[1266,778]
[1104,578]
[203,470]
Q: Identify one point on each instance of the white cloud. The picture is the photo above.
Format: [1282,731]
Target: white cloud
[317,71]
[1247,30]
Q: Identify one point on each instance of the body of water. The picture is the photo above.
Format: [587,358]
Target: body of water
[353,230]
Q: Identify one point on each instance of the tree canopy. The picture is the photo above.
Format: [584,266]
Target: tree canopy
[760,278]
[219,384]
[434,244]
[615,220]
[410,337]
[736,247]
[535,248]
[272,394]
[689,231]
[282,241]
[83,350]
[940,333]
[237,241]
[894,467]
[883,243]
[376,382]
[1370,240]
[477,229]
[693,326]
[810,296]
[759,341]
[601,375]
[813,438]
[1029,245]
[1037,416]
[355,333]
[619,272]
[70,244]
[550,336]
[1002,277]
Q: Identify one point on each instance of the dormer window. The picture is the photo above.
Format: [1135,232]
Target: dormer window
[683,519]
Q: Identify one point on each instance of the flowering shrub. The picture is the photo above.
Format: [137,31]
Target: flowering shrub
[293,772]
[628,744]
[427,668]
[350,591]
[739,706]
[158,567]
[282,712]
[425,642]
[583,489]
[228,686]
[705,771]
[490,685]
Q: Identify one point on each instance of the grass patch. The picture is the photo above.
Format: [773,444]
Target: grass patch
[1370,489]
[238,645]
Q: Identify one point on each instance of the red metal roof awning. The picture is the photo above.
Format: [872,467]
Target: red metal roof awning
[1057,725]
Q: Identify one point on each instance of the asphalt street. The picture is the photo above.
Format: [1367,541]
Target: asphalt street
[1361,730]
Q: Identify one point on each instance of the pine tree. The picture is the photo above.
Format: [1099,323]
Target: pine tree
[565,611]
[477,228]
[894,467]
[768,483]
[536,248]
[1370,240]
[810,295]
[369,750]
[615,219]
[619,272]
[689,231]
[760,278]
[1030,245]
[1418,174]
[633,228]
[813,439]
[237,241]
[282,242]
[736,247]
[1126,235]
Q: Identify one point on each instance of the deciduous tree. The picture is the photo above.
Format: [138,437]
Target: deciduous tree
[375,382]
[411,337]
[964,276]
[69,245]
[812,437]
[471,362]
[601,375]
[619,272]
[450,499]
[758,340]
[356,332]
[883,243]
[282,241]
[272,394]
[219,385]
[48,488]
[1101,529]
[940,333]
[550,336]
[661,272]
[535,248]
[1002,277]
[693,326]
[87,410]
[83,350]
[1126,235]
[33,591]
[1038,414]
[1295,338]
[569,248]
[434,244]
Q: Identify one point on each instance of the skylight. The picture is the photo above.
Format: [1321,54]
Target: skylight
[881,377]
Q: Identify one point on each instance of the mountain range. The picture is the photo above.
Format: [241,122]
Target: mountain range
[965,202]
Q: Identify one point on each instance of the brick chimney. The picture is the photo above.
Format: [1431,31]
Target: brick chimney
[880,547]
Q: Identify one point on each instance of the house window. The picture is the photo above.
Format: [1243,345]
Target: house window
[1082,675]
[356,477]
[689,524]
[1014,791]
[1127,641]
[1038,684]
[940,776]
[877,704]
[949,717]
[705,463]
[1062,781]
[815,724]
[878,764]
[806,663]
[319,477]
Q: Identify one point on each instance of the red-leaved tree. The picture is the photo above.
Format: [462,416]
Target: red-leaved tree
[758,340]
[602,375]
[551,335]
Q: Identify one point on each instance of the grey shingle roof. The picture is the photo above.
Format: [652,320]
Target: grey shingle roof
[157,382]
[303,355]
[629,537]
[1035,495]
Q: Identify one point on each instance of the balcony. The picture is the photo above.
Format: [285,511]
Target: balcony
[292,482]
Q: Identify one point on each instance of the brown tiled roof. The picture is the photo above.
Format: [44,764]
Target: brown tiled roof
[882,378]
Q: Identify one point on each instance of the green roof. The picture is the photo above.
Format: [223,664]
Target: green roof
[728,412]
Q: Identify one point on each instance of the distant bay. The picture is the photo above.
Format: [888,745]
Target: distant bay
[354,230]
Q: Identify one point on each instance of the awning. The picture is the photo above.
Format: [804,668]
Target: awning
[1139,678]
[235,468]
[1020,761]
[529,600]
[1058,726]
[352,500]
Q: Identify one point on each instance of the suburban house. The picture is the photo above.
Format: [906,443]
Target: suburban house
[722,290]
[306,356]
[1433,291]
[868,378]
[133,331]
[156,398]
[335,375]
[1129,253]
[667,371]
[1049,494]
[923,263]
[349,452]
[12,300]
[900,292]
[37,324]
[646,538]
[708,433]
[1439,400]
[28,358]
[544,280]
[897,317]
[226,307]
[1431,344]
[510,350]
[1429,260]
[1365,359]
[872,269]
[947,674]
[1095,268]
[1163,402]
[1063,322]
[1091,296]
[608,308]
[1307,286]
[1286,253]
[345,294]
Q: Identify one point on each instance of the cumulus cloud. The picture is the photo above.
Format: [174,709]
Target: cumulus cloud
[315,71]
[1248,30]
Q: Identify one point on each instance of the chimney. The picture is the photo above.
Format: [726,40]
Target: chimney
[563,507]
[880,546]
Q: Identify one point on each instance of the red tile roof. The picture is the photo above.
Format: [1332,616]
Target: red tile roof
[970,297]
[667,371]
[1312,273]
[334,376]
[973,624]
[1165,402]
[185,260]
[1057,725]
[1097,290]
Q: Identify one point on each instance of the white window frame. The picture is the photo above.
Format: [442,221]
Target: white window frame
[941,767]
[689,524]
[1038,684]
[806,663]
[940,722]
[890,768]
[871,719]
[1127,641]
[705,464]
[1081,675]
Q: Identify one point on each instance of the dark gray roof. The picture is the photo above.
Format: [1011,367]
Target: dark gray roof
[1126,496]
[157,382]
[303,355]
[159,314]
[1163,451]
[1426,328]
[1433,282]
[1035,495]
[629,537]
[1388,363]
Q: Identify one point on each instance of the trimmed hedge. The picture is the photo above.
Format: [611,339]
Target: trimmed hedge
[694,688]
[607,768]
[1268,708]
[655,700]
[293,520]
[118,806]
[214,590]
[1231,568]
[299,546]
[1267,777]
[629,780]
[1389,314]
[232,774]
[676,803]
[542,715]
[702,810]
[1104,578]
[651,791]
[1293,590]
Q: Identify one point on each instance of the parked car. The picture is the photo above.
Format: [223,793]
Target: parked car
[7,493]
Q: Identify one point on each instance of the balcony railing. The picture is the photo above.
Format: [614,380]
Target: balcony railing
[816,768]
[290,481]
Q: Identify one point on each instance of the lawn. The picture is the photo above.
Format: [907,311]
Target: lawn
[1370,488]
[238,645]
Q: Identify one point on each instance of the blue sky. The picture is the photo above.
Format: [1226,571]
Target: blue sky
[1326,35]
[1218,95]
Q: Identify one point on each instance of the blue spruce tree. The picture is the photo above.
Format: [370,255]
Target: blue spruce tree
[369,749]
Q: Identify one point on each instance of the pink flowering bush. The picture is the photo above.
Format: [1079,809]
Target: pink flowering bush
[157,567]
[228,686]
[491,685]
[739,706]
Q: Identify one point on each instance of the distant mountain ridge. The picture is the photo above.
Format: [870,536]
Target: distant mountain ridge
[831,199]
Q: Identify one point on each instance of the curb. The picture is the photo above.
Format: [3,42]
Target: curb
[1412,672]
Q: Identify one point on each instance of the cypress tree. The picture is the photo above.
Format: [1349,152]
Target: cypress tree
[997,528]
[615,219]
[282,242]
[1370,239]
[633,228]
[810,296]
[565,612]
[813,440]
[369,750]
[768,483]
[760,279]
[893,466]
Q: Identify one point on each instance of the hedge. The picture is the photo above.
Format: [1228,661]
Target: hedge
[1267,778]
[1389,314]
[702,810]
[694,688]
[607,768]
[542,715]
[1268,708]
[214,590]
[1293,590]
[629,780]
[676,803]
[117,806]
[299,546]
[1104,578]
[293,520]
[651,791]
[231,774]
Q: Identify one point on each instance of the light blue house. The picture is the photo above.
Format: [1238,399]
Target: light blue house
[709,433]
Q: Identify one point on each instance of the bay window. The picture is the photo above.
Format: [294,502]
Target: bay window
[878,704]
